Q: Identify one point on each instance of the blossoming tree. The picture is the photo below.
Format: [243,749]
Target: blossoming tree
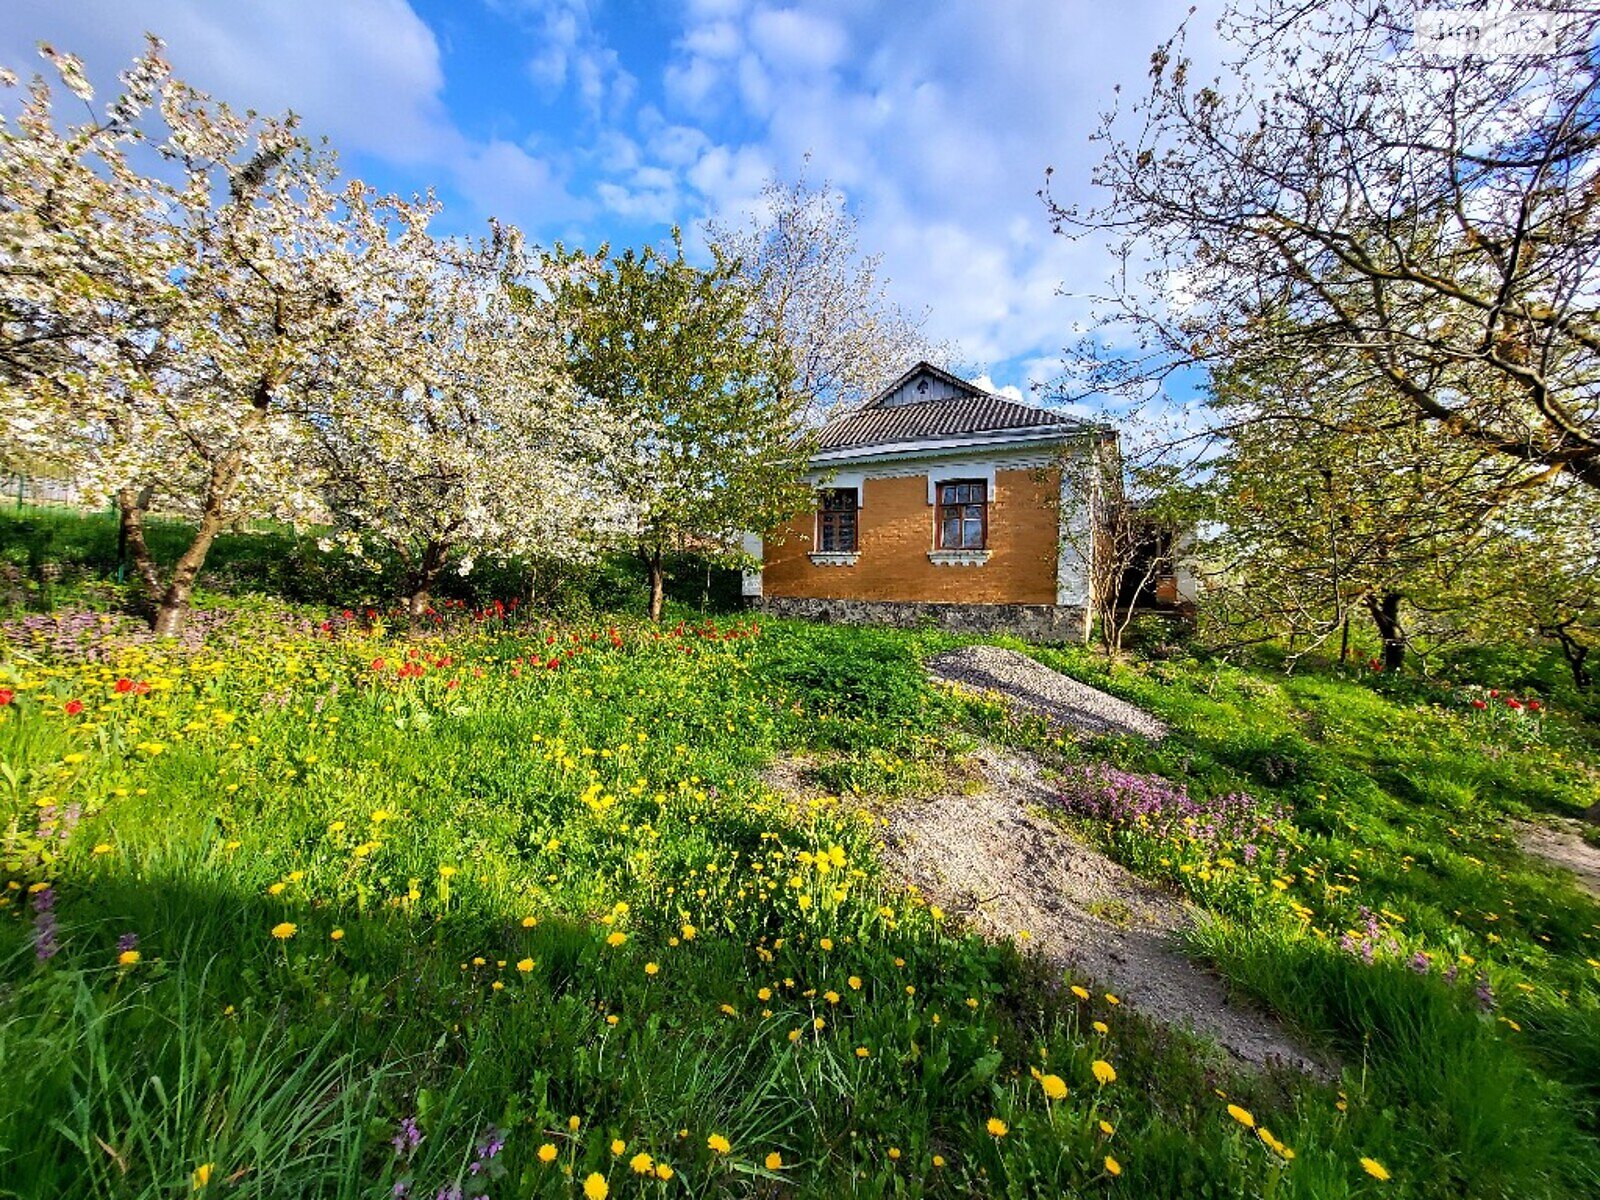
[464,439]
[183,288]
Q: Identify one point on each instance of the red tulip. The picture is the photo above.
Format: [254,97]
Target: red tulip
[6,696]
[1479,704]
[74,707]
[123,686]
[378,664]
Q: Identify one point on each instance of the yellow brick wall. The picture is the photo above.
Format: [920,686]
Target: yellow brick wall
[896,534]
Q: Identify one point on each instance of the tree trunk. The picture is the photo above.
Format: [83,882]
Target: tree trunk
[1344,640]
[658,584]
[132,504]
[1577,656]
[423,578]
[1386,616]
[173,608]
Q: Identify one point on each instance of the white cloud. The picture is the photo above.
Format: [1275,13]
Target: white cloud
[939,130]
[1011,391]
[365,73]
[797,41]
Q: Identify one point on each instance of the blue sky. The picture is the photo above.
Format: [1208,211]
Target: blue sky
[614,119]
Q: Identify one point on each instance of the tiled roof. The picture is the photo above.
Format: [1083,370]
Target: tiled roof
[954,417]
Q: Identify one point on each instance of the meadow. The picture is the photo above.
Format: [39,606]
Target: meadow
[321,908]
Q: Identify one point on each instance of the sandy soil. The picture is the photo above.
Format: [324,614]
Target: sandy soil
[1560,843]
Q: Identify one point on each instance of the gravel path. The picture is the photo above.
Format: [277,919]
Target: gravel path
[1025,684]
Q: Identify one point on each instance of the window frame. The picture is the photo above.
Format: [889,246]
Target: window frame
[960,513]
[829,519]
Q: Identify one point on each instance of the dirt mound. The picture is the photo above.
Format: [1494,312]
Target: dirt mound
[1035,688]
[1015,874]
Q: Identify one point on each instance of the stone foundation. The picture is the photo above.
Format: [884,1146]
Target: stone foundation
[1035,622]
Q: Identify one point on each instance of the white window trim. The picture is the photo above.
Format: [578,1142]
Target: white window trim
[835,558]
[959,558]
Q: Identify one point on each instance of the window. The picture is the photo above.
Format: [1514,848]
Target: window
[836,521]
[963,515]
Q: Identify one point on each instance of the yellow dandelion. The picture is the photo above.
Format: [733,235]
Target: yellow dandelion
[938,1160]
[1104,1072]
[641,1164]
[688,932]
[663,1172]
[595,1187]
[573,1122]
[127,958]
[1242,1115]
[616,938]
[719,1143]
[997,1127]
[284,930]
[1055,1088]
[547,1153]
[651,968]
[201,1176]
[1375,1168]
[525,965]
[1082,993]
[863,1052]
[337,935]
[1113,1167]
[774,1161]
[618,1145]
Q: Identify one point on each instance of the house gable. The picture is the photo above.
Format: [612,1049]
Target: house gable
[923,384]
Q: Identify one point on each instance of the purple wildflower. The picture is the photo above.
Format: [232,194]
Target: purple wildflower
[1161,809]
[46,941]
[1485,994]
[407,1138]
[493,1142]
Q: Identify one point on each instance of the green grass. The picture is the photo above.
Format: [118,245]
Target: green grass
[1399,806]
[494,813]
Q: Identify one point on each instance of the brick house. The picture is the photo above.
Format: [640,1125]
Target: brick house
[937,502]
